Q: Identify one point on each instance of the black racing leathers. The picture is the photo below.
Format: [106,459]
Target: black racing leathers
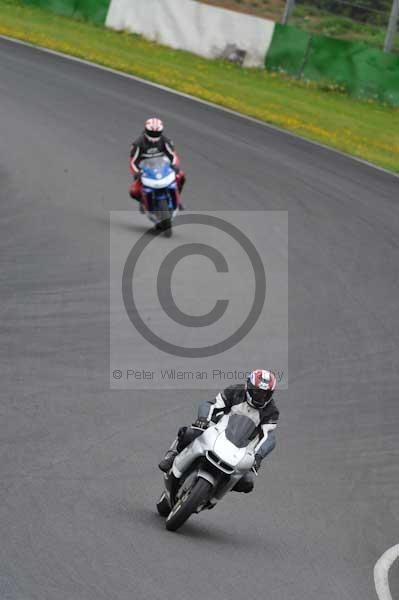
[142,148]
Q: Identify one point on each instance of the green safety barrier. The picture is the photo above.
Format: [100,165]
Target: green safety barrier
[62,7]
[92,10]
[89,10]
[288,50]
[363,71]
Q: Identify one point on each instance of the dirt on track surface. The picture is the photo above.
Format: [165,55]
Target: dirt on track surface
[78,480]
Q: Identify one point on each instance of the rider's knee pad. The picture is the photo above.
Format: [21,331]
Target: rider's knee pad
[135,190]
[181,433]
[186,435]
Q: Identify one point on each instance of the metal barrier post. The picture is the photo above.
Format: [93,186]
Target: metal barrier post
[392,27]
[289,7]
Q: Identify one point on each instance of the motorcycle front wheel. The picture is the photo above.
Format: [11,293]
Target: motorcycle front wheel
[164,214]
[190,500]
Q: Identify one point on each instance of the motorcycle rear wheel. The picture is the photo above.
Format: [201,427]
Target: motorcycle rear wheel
[188,504]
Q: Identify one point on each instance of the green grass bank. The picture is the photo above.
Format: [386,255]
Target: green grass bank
[367,130]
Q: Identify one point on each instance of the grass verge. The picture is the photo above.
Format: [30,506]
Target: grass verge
[364,129]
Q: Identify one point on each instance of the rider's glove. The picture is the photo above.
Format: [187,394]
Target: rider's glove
[201,423]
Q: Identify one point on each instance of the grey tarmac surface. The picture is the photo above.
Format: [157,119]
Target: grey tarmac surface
[78,461]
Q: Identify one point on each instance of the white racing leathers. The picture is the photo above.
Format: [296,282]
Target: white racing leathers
[221,458]
[225,451]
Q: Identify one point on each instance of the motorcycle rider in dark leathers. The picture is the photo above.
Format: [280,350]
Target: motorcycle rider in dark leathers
[257,392]
[151,144]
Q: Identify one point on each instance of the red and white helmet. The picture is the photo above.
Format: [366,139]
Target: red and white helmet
[260,387]
[153,129]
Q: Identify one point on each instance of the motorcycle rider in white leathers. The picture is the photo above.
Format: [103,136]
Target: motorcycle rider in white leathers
[257,392]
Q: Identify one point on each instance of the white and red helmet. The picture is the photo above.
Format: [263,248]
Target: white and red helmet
[260,387]
[153,129]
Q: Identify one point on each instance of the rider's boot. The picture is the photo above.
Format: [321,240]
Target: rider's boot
[166,463]
[245,484]
[180,183]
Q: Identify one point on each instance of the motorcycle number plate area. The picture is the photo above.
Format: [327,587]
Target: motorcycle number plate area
[158,183]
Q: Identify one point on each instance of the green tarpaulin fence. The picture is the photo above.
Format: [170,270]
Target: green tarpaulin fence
[90,10]
[363,71]
[288,50]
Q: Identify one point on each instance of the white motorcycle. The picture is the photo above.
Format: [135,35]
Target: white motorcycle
[210,466]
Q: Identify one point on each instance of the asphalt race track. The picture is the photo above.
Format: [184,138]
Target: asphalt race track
[78,461]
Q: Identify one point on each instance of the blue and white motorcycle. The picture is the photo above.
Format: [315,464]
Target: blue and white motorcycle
[160,197]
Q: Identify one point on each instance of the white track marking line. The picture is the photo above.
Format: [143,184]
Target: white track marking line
[199,100]
[381,570]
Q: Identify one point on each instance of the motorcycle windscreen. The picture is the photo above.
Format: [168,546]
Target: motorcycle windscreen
[240,430]
[157,167]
